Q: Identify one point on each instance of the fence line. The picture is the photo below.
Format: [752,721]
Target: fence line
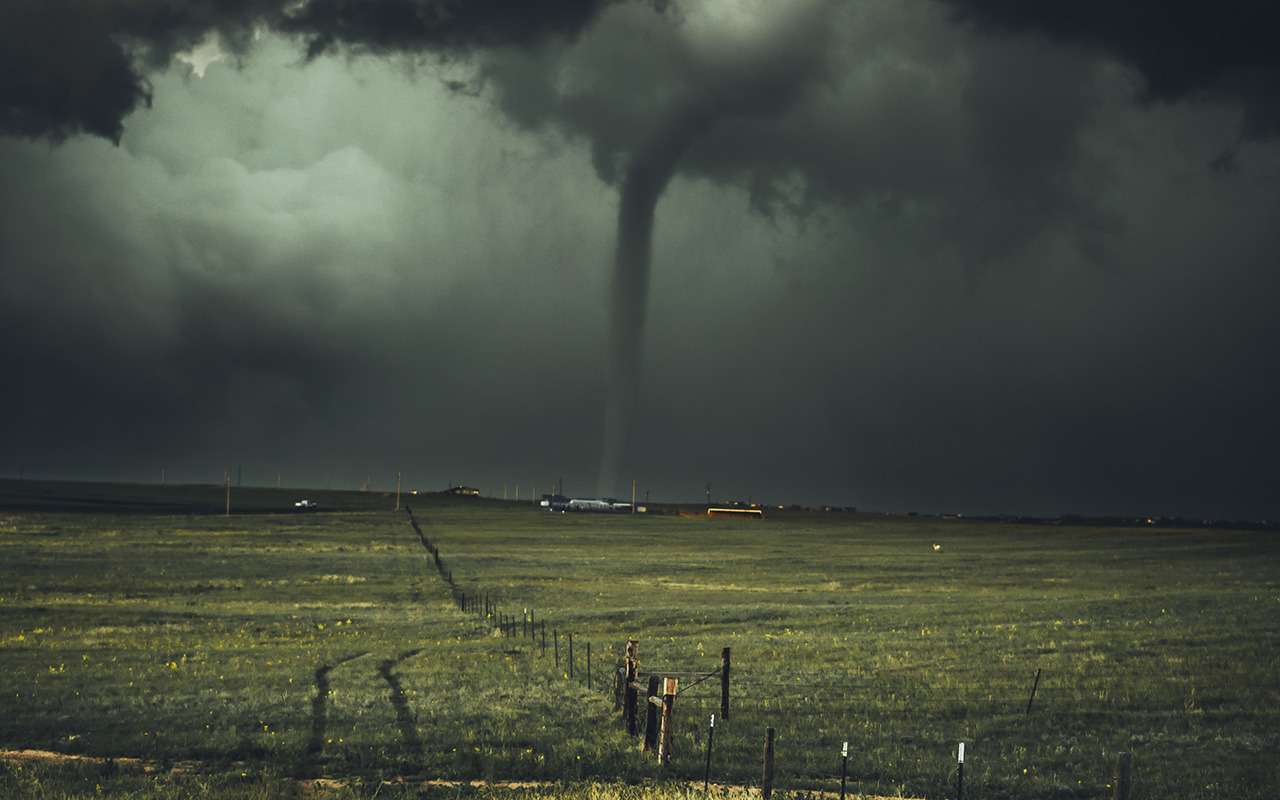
[663,685]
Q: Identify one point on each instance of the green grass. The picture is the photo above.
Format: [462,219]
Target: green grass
[201,638]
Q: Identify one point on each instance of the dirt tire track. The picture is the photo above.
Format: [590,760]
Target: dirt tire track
[404,716]
[319,704]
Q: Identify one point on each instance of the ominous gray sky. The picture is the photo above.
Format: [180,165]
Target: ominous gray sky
[966,255]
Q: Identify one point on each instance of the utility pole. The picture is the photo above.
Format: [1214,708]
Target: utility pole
[162,476]
[708,495]
[226,483]
[277,480]
[633,495]
[397,491]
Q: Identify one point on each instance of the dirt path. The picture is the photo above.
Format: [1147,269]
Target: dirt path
[322,787]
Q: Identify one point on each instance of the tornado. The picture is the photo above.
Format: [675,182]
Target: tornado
[760,77]
[647,176]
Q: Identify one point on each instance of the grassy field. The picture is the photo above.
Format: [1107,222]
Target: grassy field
[248,655]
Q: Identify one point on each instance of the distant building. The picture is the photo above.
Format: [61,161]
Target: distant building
[605,505]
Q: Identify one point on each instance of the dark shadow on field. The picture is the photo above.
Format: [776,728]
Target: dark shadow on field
[404,717]
[320,703]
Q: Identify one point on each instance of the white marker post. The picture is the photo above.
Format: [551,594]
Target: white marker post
[844,767]
[711,733]
[960,773]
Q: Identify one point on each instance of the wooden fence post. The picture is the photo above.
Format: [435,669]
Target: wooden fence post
[766,781]
[1124,776]
[669,689]
[724,683]
[632,666]
[651,716]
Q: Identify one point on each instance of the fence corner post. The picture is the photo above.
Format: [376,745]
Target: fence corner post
[671,686]
[651,716]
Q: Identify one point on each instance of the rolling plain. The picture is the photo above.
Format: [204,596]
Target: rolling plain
[176,654]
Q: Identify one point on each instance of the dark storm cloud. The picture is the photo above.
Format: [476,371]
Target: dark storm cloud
[1185,47]
[933,265]
[981,134]
[68,66]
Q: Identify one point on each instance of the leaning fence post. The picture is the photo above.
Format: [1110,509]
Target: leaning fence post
[651,716]
[1034,686]
[1124,776]
[669,689]
[766,781]
[724,683]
